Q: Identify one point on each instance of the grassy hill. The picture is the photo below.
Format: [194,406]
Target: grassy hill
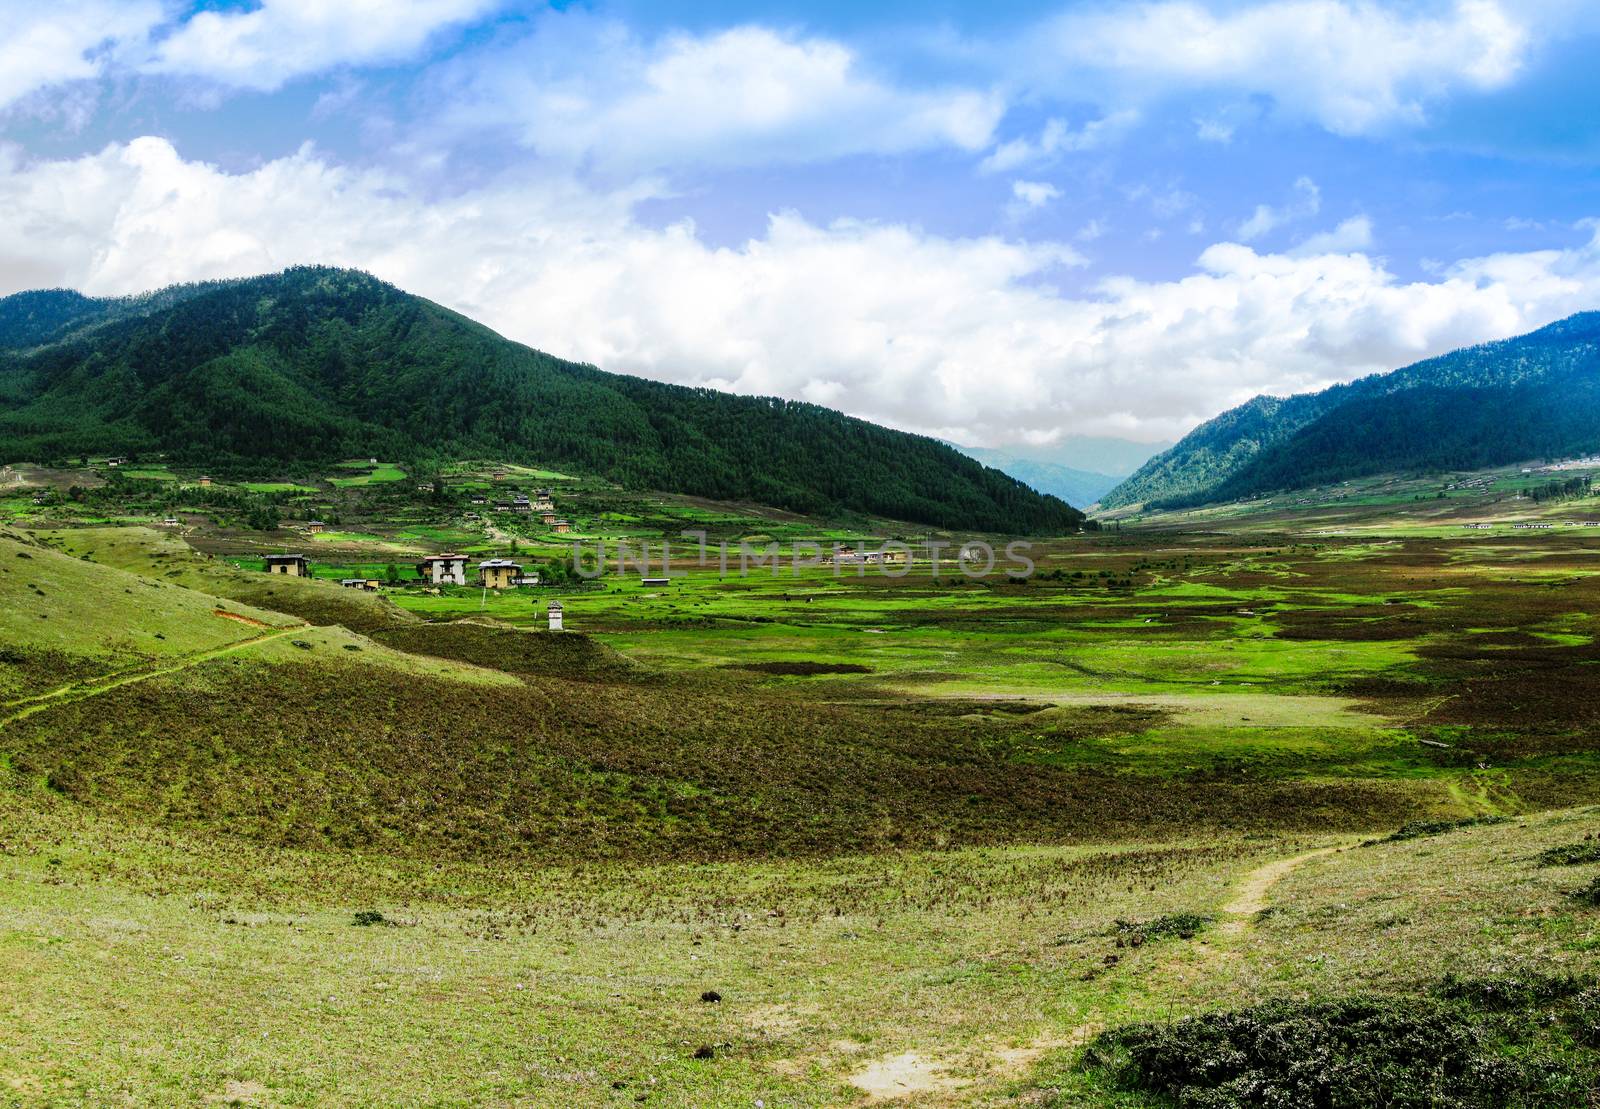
[1534,396]
[322,364]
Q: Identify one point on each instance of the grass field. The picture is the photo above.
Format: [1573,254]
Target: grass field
[920,838]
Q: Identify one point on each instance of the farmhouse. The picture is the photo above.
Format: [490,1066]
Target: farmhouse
[521,505]
[499,573]
[369,584]
[294,565]
[443,569]
[499,475]
[561,527]
[118,461]
[316,527]
[479,498]
[655,581]
[542,501]
[548,517]
[205,482]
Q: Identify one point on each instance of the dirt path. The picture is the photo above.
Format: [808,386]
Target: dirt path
[1250,896]
[925,1079]
[93,687]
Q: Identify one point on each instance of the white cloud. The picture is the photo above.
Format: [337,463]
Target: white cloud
[1305,203]
[1034,194]
[65,40]
[1352,66]
[1056,140]
[1353,234]
[965,338]
[269,45]
[585,91]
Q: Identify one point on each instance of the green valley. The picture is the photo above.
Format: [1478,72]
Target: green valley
[831,834]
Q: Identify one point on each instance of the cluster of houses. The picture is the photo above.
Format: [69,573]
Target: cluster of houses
[441,569]
[493,573]
[540,504]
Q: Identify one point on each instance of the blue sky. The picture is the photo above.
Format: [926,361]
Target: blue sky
[1008,225]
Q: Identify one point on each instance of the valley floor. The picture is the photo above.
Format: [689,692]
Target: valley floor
[788,840]
[150,974]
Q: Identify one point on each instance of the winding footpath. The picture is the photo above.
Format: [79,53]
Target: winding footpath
[92,687]
[925,1080]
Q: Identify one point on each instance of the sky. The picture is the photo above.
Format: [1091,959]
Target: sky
[1008,225]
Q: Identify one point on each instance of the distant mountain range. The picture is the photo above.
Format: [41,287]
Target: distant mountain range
[1531,397]
[1080,487]
[319,364]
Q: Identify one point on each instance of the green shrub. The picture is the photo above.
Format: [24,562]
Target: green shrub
[1571,854]
[1510,992]
[1417,829]
[1183,926]
[1398,1052]
[1590,894]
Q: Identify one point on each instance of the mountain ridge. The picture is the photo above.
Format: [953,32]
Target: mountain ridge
[1523,397]
[318,363]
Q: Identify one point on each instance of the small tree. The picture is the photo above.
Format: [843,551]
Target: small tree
[392,572]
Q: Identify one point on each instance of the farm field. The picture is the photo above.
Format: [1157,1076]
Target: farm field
[831,837]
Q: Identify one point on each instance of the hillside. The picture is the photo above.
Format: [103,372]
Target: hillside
[1533,396]
[316,364]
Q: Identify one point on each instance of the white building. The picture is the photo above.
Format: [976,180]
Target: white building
[555,616]
[444,569]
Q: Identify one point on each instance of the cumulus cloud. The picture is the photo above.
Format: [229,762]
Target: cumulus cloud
[587,91]
[1352,66]
[66,40]
[1034,194]
[266,46]
[1352,234]
[1305,203]
[965,338]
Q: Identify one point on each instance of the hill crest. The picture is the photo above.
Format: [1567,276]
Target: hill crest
[1529,396]
[317,363]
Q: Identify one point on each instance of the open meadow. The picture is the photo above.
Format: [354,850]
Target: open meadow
[844,835]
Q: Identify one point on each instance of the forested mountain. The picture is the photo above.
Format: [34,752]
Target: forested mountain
[1533,396]
[323,364]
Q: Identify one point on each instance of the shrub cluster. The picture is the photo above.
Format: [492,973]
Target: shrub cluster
[1183,926]
[1448,1050]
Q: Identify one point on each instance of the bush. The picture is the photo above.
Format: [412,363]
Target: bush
[1508,992]
[1367,1050]
[1571,854]
[1416,829]
[1588,895]
[1184,926]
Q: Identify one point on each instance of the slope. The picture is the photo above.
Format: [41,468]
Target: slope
[1526,397]
[324,364]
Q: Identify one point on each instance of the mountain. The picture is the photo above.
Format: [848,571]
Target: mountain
[1533,396]
[1071,485]
[320,364]
[1095,454]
